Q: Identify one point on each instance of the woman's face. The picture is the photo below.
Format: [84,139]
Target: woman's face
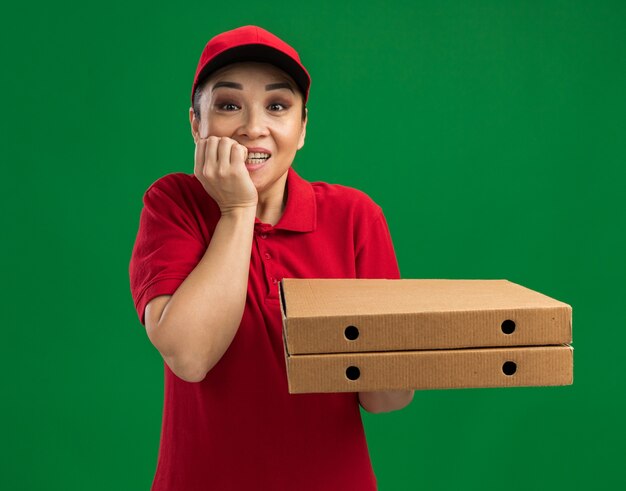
[257,105]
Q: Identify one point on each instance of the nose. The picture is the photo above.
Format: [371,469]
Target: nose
[253,123]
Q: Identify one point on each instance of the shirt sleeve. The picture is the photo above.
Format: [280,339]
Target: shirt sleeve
[375,255]
[167,248]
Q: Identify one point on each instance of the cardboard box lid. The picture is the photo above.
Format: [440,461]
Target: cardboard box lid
[338,315]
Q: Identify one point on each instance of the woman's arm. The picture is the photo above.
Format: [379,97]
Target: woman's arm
[376,258]
[201,319]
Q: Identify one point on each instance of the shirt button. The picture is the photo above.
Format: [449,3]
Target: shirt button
[274,280]
[264,235]
[267,255]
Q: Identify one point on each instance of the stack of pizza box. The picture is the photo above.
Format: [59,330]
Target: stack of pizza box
[350,335]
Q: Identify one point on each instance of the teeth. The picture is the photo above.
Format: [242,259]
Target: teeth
[258,155]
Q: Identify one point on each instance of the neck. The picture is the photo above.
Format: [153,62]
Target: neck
[272,203]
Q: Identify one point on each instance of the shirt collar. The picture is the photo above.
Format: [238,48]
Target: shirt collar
[300,213]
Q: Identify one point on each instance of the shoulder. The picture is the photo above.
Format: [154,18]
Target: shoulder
[180,186]
[175,184]
[183,191]
[342,198]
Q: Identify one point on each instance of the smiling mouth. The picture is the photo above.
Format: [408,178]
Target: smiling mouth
[257,158]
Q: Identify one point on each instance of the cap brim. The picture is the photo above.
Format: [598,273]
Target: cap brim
[260,53]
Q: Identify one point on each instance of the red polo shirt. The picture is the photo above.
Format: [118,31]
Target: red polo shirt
[239,428]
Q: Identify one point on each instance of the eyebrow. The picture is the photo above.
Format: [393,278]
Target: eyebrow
[234,85]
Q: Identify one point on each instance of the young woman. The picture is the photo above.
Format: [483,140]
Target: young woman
[211,249]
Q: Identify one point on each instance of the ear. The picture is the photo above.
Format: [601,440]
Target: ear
[303,133]
[195,125]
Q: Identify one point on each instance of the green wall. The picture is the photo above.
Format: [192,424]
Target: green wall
[491,133]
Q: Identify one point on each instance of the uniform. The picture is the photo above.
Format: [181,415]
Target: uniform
[239,428]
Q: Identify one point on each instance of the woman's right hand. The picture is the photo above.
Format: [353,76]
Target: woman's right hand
[220,165]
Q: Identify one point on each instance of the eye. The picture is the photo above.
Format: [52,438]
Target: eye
[221,105]
[284,106]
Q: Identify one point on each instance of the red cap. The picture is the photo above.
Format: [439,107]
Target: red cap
[251,43]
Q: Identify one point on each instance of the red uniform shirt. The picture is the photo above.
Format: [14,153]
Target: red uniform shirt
[239,428]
